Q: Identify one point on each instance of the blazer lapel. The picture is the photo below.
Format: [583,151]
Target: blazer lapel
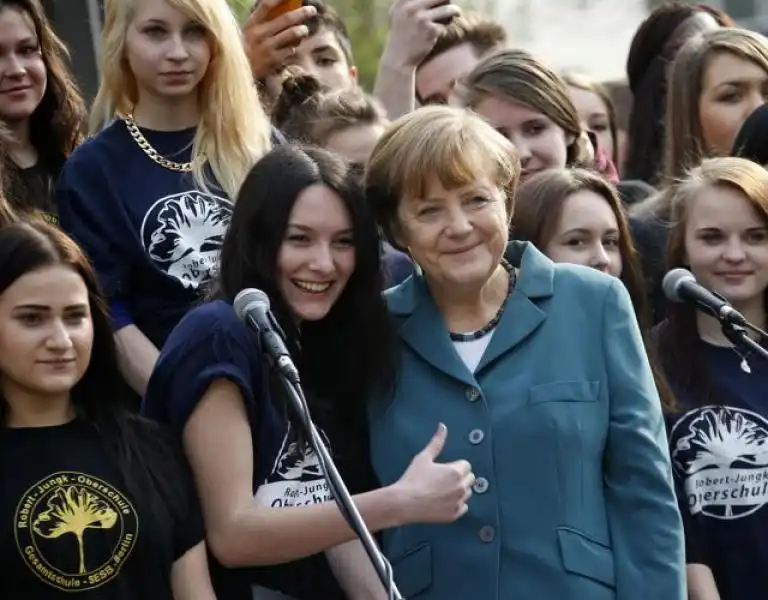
[423,328]
[522,316]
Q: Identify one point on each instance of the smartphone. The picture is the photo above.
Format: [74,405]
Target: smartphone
[446,20]
[284,7]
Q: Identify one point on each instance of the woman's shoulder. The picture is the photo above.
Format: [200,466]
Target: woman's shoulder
[215,319]
[96,148]
[208,344]
[581,280]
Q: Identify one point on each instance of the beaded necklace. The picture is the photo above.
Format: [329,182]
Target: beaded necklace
[488,327]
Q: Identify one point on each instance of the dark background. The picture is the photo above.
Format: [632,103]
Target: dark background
[77,22]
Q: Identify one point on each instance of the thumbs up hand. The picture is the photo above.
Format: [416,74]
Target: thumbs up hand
[435,492]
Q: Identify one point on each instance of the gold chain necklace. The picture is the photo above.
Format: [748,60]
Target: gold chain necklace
[153,154]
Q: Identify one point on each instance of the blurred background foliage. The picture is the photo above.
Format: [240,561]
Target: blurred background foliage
[367,23]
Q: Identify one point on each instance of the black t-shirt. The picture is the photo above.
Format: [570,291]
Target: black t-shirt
[211,343]
[30,190]
[719,457]
[69,526]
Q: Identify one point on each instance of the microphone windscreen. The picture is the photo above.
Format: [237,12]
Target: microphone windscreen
[248,297]
[672,281]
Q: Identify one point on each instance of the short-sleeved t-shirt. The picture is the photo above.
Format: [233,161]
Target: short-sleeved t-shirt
[719,455]
[211,343]
[70,528]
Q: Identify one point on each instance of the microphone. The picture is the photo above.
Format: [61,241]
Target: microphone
[680,285]
[252,307]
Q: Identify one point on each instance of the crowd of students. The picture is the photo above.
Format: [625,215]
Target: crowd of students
[466,266]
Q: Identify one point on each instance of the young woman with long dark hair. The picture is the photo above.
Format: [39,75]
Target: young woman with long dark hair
[39,103]
[93,499]
[347,122]
[301,232]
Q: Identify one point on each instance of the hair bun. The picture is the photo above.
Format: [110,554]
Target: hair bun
[298,87]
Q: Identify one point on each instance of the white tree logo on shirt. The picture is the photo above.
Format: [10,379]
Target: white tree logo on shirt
[294,463]
[296,478]
[721,454]
[183,234]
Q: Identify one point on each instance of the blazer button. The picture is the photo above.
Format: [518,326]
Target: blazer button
[472,394]
[480,486]
[476,436]
[487,533]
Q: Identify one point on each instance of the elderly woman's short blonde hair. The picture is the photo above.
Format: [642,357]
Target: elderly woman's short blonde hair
[446,144]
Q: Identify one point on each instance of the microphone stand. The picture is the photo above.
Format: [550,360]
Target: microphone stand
[737,335]
[292,385]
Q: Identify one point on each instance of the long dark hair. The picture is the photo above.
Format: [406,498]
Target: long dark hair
[350,349]
[58,123]
[101,397]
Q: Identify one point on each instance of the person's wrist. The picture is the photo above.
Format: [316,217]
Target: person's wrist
[395,59]
[399,502]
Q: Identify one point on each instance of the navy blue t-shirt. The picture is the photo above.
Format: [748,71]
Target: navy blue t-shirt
[211,343]
[152,236]
[719,457]
[397,266]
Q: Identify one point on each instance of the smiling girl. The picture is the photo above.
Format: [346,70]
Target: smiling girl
[717,441]
[716,81]
[93,500]
[149,197]
[529,104]
[39,103]
[575,216]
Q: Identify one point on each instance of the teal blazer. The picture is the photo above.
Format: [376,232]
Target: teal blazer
[563,427]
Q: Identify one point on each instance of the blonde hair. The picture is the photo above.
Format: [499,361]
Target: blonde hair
[518,76]
[685,140]
[450,144]
[234,131]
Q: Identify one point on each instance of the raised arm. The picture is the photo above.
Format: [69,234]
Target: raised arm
[413,31]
